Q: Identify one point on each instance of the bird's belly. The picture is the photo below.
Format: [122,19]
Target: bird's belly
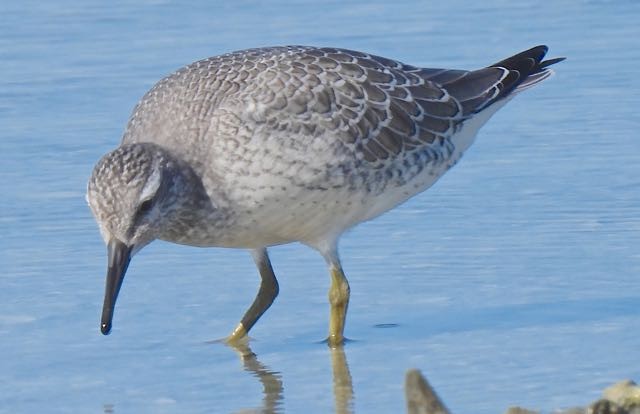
[284,214]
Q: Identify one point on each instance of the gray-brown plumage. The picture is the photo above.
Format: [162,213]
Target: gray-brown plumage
[268,146]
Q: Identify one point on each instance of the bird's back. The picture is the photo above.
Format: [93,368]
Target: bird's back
[306,126]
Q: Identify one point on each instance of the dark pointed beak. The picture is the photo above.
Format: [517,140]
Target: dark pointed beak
[119,257]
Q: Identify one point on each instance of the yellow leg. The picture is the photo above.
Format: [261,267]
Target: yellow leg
[265,297]
[238,335]
[339,301]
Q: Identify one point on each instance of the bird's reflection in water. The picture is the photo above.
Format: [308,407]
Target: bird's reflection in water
[272,401]
[272,387]
[342,384]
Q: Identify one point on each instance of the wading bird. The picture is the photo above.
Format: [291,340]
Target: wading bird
[262,147]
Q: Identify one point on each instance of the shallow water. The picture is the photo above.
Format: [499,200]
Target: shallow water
[514,280]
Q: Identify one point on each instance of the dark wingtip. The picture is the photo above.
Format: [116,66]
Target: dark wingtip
[529,61]
[536,54]
[105,328]
[550,62]
[476,90]
[540,51]
[523,68]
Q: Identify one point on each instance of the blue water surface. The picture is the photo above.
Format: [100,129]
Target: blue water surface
[514,280]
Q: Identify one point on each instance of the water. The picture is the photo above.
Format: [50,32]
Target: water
[515,280]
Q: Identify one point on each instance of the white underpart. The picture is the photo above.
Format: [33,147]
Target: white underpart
[467,135]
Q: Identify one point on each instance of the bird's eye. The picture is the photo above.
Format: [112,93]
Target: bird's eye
[145,206]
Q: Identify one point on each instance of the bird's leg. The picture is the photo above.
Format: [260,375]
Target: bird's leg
[339,301]
[266,295]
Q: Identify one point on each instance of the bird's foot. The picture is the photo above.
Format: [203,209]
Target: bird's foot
[337,341]
[239,336]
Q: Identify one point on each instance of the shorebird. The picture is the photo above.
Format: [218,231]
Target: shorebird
[268,146]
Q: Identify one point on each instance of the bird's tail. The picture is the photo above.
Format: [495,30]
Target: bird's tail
[476,90]
[525,69]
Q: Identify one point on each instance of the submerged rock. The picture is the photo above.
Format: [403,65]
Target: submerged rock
[519,410]
[421,398]
[626,394]
[620,398]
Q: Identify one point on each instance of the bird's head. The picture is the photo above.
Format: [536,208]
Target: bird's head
[136,193]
